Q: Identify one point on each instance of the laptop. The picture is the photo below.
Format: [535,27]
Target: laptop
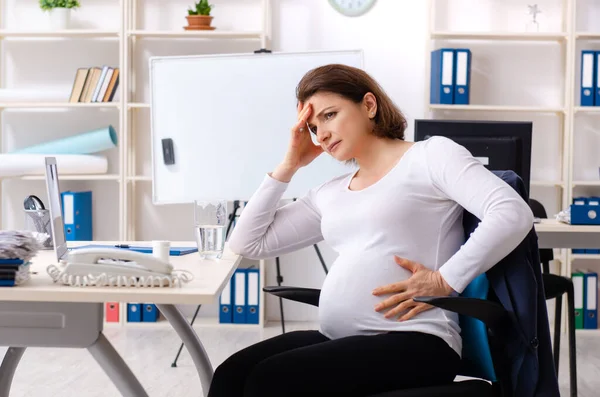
[57,223]
[56,220]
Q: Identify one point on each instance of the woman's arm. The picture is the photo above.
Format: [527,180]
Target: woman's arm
[265,231]
[505,217]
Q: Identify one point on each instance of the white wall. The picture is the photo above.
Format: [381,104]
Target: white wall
[392,36]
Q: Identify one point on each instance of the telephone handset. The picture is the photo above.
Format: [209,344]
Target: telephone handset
[116,267]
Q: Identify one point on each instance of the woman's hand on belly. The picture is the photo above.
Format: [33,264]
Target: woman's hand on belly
[422,282]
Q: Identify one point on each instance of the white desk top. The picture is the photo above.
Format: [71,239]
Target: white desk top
[210,277]
[554,226]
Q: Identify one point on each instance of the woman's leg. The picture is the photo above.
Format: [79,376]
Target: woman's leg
[355,366]
[230,377]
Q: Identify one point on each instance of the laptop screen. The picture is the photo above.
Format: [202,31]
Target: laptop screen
[57,224]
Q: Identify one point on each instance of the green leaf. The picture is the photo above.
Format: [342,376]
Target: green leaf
[202,8]
[50,4]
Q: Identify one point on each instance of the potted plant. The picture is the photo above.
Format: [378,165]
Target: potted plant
[199,17]
[59,11]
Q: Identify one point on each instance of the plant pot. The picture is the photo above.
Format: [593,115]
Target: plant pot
[58,18]
[199,21]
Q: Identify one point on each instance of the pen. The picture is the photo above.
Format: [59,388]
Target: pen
[122,245]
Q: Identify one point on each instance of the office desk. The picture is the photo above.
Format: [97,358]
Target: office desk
[554,234]
[42,313]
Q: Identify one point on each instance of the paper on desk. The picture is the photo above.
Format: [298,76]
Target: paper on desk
[564,216]
[16,244]
[12,165]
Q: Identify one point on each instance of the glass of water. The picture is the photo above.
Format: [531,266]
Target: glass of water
[209,225]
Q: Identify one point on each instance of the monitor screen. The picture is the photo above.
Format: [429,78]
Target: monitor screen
[499,145]
[56,223]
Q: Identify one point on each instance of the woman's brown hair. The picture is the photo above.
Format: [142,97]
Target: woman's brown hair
[352,84]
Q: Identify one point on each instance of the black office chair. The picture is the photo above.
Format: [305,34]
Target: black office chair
[555,287]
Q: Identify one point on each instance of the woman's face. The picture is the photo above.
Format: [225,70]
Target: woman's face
[340,125]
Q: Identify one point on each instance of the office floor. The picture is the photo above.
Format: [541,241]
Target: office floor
[150,352]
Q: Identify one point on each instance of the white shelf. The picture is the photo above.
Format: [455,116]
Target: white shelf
[586,109]
[200,322]
[140,178]
[71,33]
[587,36]
[496,108]
[514,36]
[37,105]
[75,177]
[548,183]
[200,34]
[138,106]
[586,256]
[585,183]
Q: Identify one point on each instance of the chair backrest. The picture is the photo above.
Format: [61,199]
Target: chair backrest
[476,354]
[477,360]
[546,254]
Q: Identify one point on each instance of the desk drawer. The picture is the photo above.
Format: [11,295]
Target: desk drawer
[50,324]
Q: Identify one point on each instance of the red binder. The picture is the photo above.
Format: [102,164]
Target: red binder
[112,312]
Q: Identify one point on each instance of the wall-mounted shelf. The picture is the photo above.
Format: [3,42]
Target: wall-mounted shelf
[498,108]
[508,36]
[67,34]
[184,34]
[57,105]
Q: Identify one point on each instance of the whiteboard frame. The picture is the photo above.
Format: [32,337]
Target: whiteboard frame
[153,60]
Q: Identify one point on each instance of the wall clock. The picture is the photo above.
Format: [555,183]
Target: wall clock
[352,8]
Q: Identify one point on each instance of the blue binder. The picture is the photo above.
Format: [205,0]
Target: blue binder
[77,215]
[588,77]
[462,76]
[596,79]
[442,76]
[590,306]
[134,312]
[149,313]
[240,296]
[225,303]
[253,296]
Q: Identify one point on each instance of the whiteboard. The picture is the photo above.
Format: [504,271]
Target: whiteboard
[229,117]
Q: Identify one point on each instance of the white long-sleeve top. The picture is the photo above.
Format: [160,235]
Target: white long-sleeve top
[414,212]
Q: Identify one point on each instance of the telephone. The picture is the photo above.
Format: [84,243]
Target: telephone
[116,267]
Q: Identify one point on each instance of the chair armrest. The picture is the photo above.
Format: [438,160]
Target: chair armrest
[490,313]
[298,294]
[555,285]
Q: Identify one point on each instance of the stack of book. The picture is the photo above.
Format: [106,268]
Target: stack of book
[13,272]
[95,84]
[16,250]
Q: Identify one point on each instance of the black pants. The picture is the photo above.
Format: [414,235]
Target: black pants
[306,363]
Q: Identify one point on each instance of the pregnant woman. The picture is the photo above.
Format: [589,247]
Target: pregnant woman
[396,225]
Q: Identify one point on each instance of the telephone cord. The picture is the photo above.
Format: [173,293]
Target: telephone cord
[177,278]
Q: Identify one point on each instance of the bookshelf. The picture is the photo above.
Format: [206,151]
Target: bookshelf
[552,178]
[122,34]
[565,137]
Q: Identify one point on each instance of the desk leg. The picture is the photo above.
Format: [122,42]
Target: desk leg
[116,369]
[191,342]
[8,368]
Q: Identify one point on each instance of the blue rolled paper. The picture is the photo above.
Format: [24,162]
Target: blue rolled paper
[86,143]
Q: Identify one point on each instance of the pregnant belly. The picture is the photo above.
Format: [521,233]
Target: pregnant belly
[346,305]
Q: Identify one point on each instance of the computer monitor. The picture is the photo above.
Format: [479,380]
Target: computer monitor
[499,145]
[56,220]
